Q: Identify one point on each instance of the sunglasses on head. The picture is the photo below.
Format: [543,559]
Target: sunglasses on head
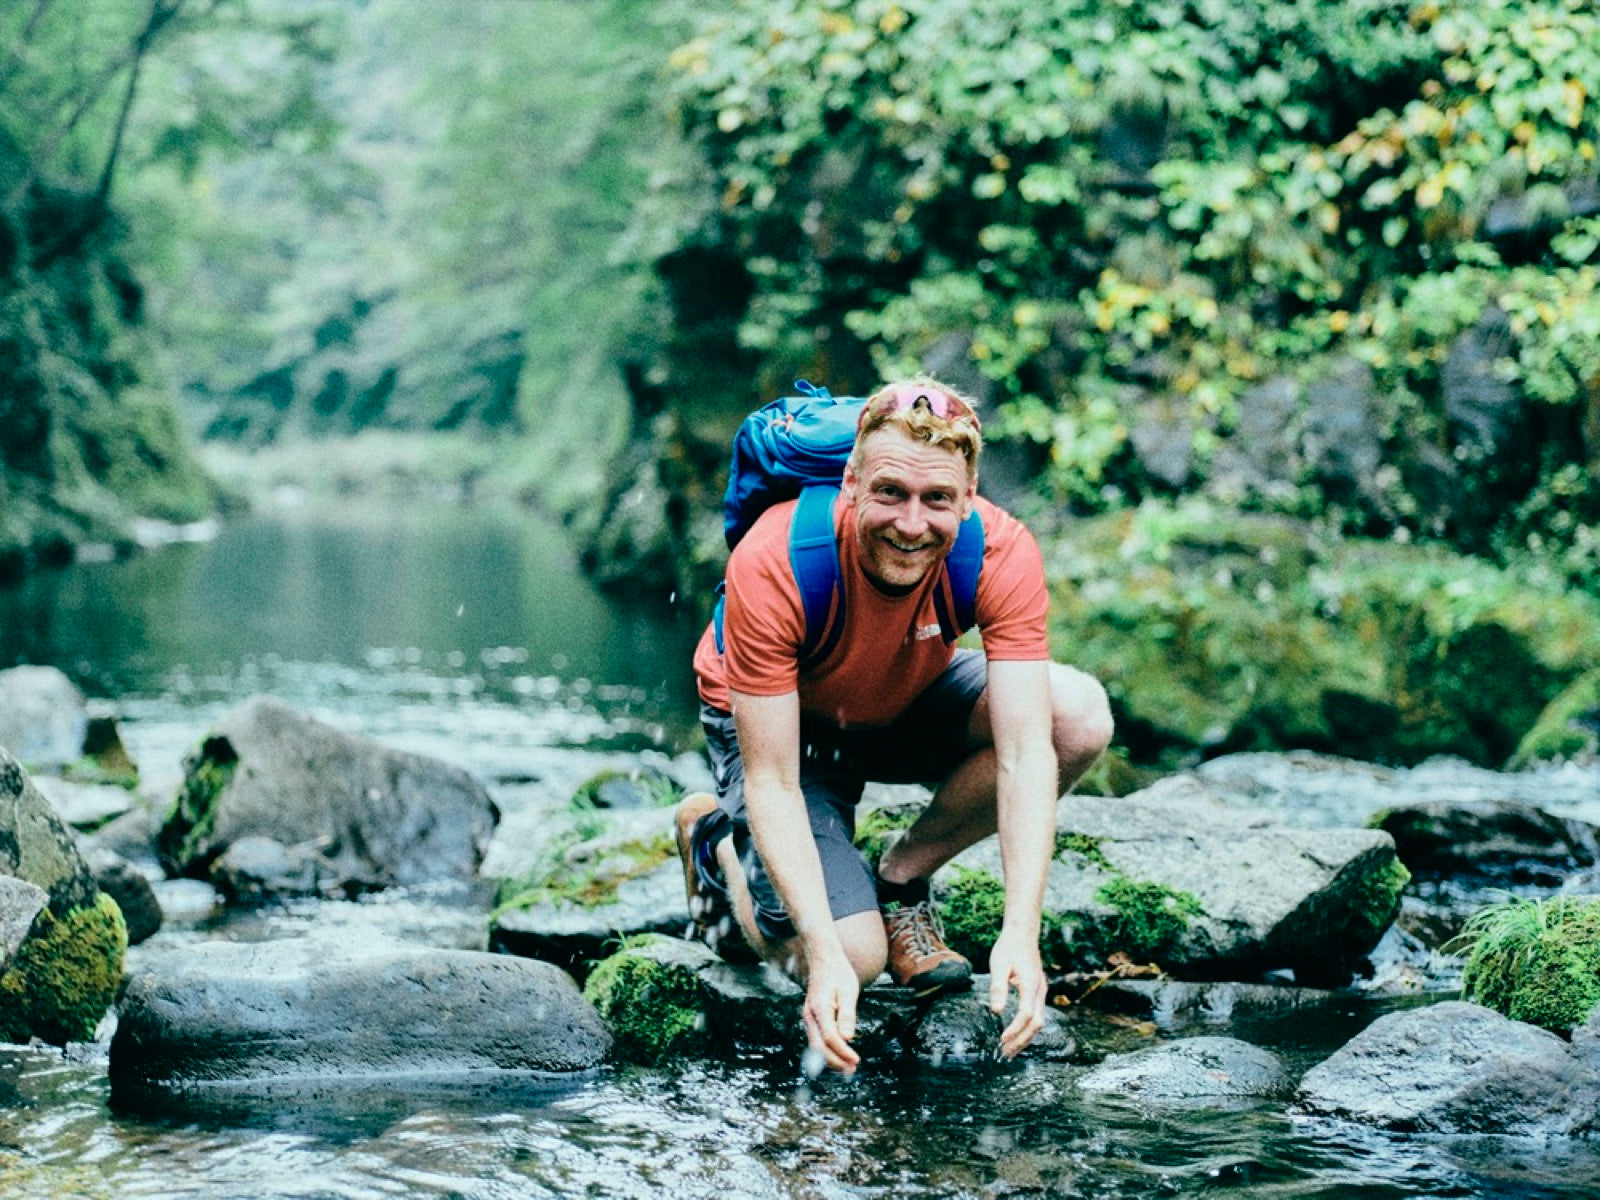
[941,404]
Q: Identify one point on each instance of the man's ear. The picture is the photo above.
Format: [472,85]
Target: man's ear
[972,494]
[847,486]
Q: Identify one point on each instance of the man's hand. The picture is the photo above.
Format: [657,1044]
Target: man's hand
[1014,963]
[830,1009]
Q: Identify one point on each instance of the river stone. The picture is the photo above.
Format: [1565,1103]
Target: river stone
[596,876]
[381,816]
[35,845]
[85,805]
[961,1028]
[232,1014]
[131,889]
[1191,1068]
[43,717]
[1453,1068]
[20,902]
[1323,791]
[1313,902]
[1499,840]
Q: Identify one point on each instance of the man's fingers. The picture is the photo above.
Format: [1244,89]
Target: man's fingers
[828,1036]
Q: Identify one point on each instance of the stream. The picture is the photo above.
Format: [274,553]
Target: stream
[470,633]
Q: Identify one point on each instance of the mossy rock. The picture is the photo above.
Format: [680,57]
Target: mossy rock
[642,788]
[1536,961]
[1568,728]
[65,975]
[194,812]
[649,996]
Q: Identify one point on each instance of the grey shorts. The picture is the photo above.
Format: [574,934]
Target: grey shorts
[927,743]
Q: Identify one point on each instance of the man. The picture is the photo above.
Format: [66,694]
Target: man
[998,732]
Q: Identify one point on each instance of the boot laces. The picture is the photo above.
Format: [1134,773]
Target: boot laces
[918,924]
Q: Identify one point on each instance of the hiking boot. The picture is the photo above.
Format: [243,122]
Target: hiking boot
[710,909]
[918,957]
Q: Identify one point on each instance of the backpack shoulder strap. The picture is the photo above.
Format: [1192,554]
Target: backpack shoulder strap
[962,568]
[814,557]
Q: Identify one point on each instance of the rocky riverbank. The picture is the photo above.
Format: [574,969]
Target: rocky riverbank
[1184,920]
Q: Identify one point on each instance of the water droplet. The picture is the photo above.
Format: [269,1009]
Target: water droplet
[812,1062]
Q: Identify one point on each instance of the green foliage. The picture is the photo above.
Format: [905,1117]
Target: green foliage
[1105,209]
[652,1008]
[1566,728]
[1534,960]
[1084,847]
[65,975]
[1247,632]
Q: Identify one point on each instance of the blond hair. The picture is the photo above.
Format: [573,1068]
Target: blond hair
[959,431]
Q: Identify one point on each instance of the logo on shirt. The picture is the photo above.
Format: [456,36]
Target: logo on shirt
[924,632]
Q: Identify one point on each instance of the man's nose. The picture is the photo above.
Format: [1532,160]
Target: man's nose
[912,517]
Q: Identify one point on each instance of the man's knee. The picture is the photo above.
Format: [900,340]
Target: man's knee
[1081,715]
[865,944]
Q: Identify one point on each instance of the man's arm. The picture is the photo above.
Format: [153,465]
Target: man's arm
[769,743]
[1025,798]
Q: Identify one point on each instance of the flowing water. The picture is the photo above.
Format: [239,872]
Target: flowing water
[470,633]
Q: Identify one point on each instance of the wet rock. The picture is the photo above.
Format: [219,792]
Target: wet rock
[64,971]
[132,890]
[43,717]
[20,903]
[85,806]
[640,787]
[1191,1068]
[961,1028]
[1456,1068]
[254,870]
[1171,876]
[1323,791]
[597,877]
[379,816]
[1498,841]
[235,1015]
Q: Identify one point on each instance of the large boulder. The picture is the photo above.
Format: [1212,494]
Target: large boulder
[64,942]
[309,1010]
[1456,1068]
[370,816]
[43,717]
[1172,876]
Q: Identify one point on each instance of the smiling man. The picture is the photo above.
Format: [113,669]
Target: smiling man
[998,733]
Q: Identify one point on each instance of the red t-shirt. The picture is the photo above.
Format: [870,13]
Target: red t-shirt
[891,648]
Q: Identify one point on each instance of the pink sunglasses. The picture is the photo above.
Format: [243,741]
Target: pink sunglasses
[941,404]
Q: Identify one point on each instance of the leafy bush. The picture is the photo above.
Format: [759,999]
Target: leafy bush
[1097,211]
[1535,960]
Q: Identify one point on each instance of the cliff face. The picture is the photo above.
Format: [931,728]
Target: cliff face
[89,439]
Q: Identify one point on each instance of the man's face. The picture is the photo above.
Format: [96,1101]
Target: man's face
[910,499]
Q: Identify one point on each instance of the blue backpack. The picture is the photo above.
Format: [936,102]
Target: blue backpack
[797,446]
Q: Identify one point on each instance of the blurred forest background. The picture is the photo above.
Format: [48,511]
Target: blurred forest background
[1282,313]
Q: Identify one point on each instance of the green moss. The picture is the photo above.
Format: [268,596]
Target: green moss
[652,1008]
[656,789]
[1149,920]
[194,813]
[1560,732]
[65,975]
[1084,846]
[588,886]
[1378,898]
[972,909]
[1535,960]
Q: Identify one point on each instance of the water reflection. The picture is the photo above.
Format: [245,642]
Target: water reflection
[376,604]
